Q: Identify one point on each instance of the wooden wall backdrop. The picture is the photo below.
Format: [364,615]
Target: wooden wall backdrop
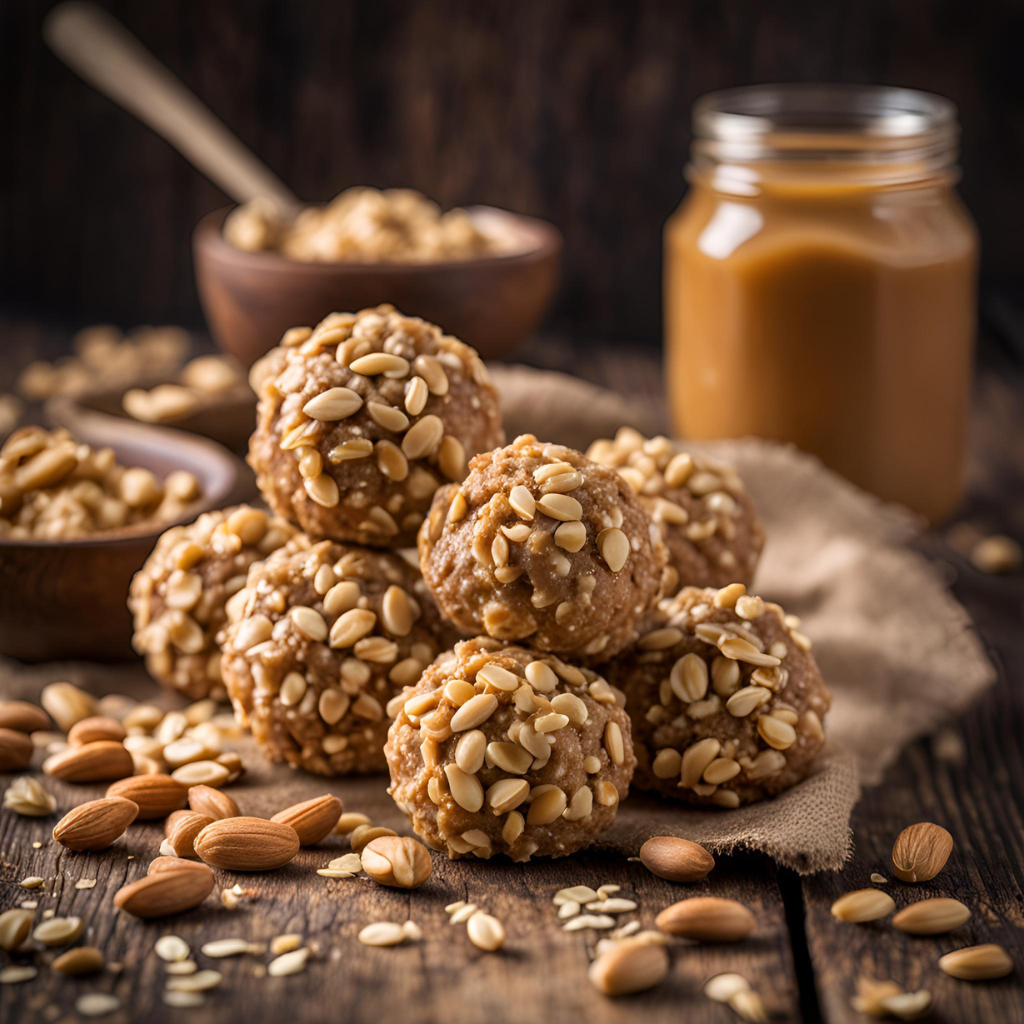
[576,110]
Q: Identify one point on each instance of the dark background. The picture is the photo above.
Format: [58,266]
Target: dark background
[575,111]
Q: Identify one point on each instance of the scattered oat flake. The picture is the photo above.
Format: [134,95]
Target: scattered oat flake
[288,963]
[351,862]
[32,882]
[280,944]
[183,1000]
[97,1004]
[606,890]
[86,883]
[14,973]
[28,904]
[598,921]
[879,879]
[464,913]
[612,906]
[231,947]
[334,873]
[452,907]
[626,930]
[568,909]
[382,933]
[182,967]
[576,894]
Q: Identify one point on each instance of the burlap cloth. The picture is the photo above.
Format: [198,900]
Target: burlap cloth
[898,653]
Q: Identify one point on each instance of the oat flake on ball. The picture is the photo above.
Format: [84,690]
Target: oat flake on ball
[178,598]
[542,545]
[361,420]
[708,522]
[725,698]
[504,750]
[321,638]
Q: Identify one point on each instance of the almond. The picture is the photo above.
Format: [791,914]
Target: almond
[678,860]
[977,963]
[397,861]
[932,917]
[313,820]
[15,924]
[79,961]
[920,852]
[632,965]
[165,892]
[160,864]
[95,762]
[183,837]
[67,704]
[212,802]
[863,905]
[174,819]
[96,824]
[21,716]
[157,795]
[247,844]
[707,919]
[15,750]
[89,730]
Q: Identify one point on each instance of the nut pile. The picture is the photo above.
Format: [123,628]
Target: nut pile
[52,488]
[364,225]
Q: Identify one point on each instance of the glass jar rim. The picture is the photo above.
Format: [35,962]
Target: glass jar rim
[805,121]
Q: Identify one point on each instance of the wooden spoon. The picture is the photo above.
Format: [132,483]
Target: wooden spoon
[112,60]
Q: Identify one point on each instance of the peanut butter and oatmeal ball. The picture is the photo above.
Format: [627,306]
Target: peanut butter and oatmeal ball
[725,698]
[707,520]
[320,639]
[503,750]
[361,420]
[540,544]
[178,598]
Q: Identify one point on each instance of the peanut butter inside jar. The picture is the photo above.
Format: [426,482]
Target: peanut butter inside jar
[820,284]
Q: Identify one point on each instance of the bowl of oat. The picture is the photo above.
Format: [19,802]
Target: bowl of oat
[80,510]
[484,274]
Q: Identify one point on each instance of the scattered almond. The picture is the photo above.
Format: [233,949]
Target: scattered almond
[59,931]
[863,905]
[157,795]
[21,716]
[707,919]
[678,860]
[165,892]
[397,861]
[79,961]
[247,844]
[382,933]
[91,730]
[932,917]
[212,802]
[14,928]
[102,761]
[182,839]
[977,963]
[312,820]
[15,750]
[67,704]
[96,824]
[631,965]
[921,852]
[160,864]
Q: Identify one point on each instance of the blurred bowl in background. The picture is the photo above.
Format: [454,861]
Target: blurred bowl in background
[492,303]
[64,599]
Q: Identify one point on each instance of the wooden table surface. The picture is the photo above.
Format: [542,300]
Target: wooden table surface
[802,960]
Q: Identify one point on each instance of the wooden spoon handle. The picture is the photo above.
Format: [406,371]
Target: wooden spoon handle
[108,57]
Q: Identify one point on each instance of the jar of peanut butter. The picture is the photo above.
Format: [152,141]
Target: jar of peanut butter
[820,284]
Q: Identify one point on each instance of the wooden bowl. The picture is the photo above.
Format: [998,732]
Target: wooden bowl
[251,298]
[64,599]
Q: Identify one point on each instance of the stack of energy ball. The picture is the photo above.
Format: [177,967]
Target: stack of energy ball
[570,623]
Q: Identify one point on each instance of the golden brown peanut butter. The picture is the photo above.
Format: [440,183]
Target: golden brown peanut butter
[830,306]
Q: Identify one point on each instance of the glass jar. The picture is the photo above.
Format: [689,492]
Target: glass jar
[820,280]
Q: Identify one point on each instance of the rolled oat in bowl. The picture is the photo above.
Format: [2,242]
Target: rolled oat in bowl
[317,643]
[361,419]
[500,749]
[178,599]
[54,488]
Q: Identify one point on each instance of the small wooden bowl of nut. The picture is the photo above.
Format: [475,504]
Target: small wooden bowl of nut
[78,516]
[257,278]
